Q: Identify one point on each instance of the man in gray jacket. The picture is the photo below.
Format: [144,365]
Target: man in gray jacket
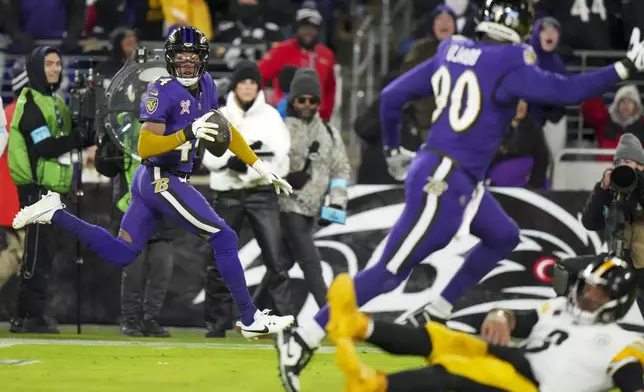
[318,166]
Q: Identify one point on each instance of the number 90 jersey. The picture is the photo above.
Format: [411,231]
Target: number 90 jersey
[567,357]
[168,102]
[469,123]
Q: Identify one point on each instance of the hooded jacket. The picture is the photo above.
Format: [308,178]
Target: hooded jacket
[549,61]
[423,44]
[607,122]
[328,167]
[117,59]
[260,123]
[38,139]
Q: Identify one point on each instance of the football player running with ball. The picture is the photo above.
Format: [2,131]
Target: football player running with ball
[572,344]
[175,114]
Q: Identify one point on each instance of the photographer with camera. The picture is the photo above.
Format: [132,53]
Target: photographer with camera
[41,142]
[615,207]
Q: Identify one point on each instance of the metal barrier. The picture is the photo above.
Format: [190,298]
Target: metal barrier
[387,33]
[576,123]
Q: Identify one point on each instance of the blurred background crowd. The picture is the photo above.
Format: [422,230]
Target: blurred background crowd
[355,47]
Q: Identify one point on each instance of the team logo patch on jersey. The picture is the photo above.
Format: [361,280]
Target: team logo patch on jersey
[185,107]
[151,105]
[529,56]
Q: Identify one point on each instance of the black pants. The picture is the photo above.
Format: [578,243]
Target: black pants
[260,206]
[298,233]
[145,282]
[37,261]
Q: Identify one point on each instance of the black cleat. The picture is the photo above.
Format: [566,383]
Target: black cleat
[293,356]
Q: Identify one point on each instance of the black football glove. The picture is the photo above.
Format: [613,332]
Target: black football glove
[237,165]
[298,179]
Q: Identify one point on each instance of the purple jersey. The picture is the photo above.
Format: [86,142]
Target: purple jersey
[170,103]
[477,86]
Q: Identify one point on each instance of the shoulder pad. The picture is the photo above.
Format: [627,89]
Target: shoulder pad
[529,55]
[225,25]
[160,83]
[271,26]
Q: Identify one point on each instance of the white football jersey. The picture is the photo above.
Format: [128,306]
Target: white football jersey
[566,357]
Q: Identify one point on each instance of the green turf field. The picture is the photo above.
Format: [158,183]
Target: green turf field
[101,360]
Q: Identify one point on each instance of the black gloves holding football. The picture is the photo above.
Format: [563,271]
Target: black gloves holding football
[298,179]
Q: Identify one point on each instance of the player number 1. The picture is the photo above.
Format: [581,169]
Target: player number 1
[466,88]
[185,149]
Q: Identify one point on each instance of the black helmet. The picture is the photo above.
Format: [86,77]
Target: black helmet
[506,20]
[617,281]
[187,39]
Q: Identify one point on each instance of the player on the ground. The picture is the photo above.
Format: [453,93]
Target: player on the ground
[477,85]
[174,115]
[571,344]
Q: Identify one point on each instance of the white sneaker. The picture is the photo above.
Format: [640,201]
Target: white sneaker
[40,212]
[265,324]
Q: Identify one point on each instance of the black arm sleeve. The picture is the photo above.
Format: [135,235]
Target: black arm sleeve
[629,378]
[51,147]
[525,321]
[592,216]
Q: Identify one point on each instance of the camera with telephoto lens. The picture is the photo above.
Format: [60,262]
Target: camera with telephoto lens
[86,97]
[623,179]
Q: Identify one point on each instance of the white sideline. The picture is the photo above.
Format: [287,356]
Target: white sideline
[161,345]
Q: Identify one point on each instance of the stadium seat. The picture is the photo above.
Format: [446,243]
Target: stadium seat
[576,169]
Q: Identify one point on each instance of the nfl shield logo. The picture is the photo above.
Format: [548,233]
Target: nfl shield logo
[151,104]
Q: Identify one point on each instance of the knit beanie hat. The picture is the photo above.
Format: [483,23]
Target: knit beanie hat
[305,82]
[629,147]
[246,70]
[285,77]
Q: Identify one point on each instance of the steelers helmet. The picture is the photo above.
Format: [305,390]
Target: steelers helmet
[506,20]
[186,39]
[604,292]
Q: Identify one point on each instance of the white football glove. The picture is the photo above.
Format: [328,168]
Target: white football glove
[636,50]
[634,61]
[280,184]
[201,129]
[398,160]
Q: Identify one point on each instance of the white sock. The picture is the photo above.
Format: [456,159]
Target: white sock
[444,307]
[369,329]
[312,333]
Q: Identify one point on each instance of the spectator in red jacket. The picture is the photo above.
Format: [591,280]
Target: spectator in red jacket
[303,51]
[622,116]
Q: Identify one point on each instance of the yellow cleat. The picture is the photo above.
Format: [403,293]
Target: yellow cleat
[345,319]
[359,377]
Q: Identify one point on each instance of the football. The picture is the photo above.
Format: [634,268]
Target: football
[222,140]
